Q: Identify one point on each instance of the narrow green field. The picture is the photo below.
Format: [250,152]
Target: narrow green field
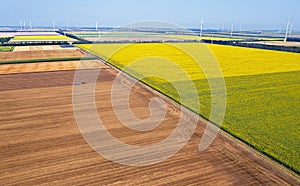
[263,88]
[6,48]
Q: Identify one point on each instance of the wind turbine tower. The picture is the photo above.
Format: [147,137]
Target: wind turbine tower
[201,28]
[287,30]
[21,25]
[290,32]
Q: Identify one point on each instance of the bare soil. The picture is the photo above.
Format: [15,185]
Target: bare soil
[34,48]
[48,66]
[42,54]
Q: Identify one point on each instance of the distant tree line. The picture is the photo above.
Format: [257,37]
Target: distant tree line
[4,40]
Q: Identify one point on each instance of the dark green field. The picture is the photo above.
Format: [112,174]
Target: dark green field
[6,48]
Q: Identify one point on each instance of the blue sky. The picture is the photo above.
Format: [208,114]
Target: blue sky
[254,14]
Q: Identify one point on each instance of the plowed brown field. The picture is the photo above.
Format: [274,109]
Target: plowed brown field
[42,54]
[48,66]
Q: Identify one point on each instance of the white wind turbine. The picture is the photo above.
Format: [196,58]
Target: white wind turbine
[290,32]
[21,25]
[201,28]
[287,31]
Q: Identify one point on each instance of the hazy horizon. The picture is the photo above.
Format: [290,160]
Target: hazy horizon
[248,15]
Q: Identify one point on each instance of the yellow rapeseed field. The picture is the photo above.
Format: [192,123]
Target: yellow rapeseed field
[234,61]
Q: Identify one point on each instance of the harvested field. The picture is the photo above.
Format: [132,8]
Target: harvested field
[43,54]
[47,66]
[34,48]
[40,142]
[128,39]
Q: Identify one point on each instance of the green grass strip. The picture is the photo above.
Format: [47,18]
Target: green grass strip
[6,48]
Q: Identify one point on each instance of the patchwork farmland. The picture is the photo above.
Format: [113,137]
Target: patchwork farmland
[50,149]
[40,142]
